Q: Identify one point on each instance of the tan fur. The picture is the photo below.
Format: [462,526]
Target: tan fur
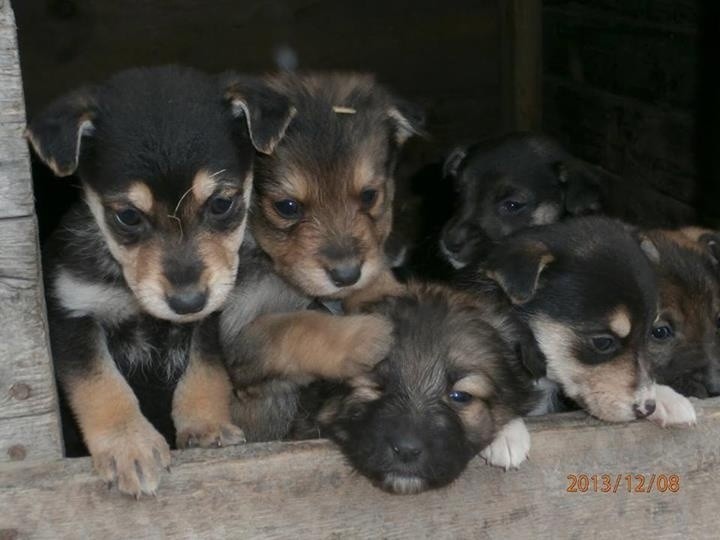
[619,323]
[203,185]
[141,197]
[201,406]
[477,385]
[124,446]
[321,345]
[607,390]
[384,285]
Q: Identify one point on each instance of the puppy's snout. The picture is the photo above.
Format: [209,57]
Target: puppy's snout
[187,300]
[455,238]
[406,447]
[646,408]
[345,275]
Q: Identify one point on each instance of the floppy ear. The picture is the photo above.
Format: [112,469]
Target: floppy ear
[582,192]
[267,112]
[454,161]
[56,133]
[407,120]
[517,266]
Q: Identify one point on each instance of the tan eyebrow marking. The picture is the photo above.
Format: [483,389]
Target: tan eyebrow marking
[203,185]
[620,322]
[141,197]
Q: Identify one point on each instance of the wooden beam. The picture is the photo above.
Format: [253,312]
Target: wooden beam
[305,490]
[29,422]
[521,66]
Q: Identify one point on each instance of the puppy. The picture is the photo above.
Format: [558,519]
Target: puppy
[507,184]
[165,158]
[685,342]
[453,384]
[321,213]
[589,295]
[526,179]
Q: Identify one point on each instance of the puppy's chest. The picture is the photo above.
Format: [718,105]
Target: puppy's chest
[149,345]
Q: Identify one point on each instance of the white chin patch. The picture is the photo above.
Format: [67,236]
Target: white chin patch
[455,263]
[403,485]
[510,446]
[672,409]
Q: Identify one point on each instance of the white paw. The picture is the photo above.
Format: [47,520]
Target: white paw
[510,447]
[672,409]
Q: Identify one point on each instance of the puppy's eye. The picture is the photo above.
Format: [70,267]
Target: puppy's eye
[128,218]
[457,396]
[662,332]
[220,206]
[368,197]
[288,208]
[604,344]
[511,207]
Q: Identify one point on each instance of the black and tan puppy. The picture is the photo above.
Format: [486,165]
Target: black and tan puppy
[685,342]
[588,292]
[452,385]
[165,158]
[525,179]
[321,213]
[507,184]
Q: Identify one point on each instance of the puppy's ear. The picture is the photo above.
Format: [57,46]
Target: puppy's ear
[267,112]
[582,192]
[407,120]
[57,133]
[454,161]
[517,266]
[531,357]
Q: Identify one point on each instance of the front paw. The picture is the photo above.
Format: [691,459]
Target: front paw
[131,457]
[672,409]
[510,446]
[208,434]
[369,344]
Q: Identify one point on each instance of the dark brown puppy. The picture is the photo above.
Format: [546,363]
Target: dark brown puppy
[321,213]
[588,292]
[685,342]
[452,385]
[166,169]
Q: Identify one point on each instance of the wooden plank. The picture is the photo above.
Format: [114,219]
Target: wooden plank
[29,421]
[16,197]
[29,439]
[305,490]
[521,65]
[638,141]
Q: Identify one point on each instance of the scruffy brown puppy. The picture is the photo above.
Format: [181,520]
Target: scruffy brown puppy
[589,294]
[685,343]
[453,384]
[165,158]
[321,213]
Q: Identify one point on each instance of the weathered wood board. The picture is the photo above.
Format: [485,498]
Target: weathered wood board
[29,425]
[305,490]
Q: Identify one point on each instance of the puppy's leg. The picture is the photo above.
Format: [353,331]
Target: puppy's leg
[308,344]
[510,446]
[124,446]
[672,409]
[202,399]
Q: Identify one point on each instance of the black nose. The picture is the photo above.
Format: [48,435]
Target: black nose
[406,447]
[646,409]
[187,301]
[455,239]
[345,275]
